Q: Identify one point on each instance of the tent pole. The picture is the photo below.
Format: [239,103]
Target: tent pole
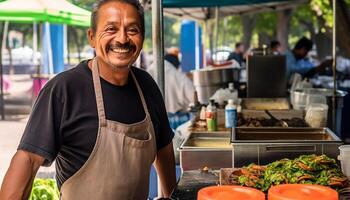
[216,29]
[158,52]
[2,108]
[49,48]
[158,42]
[65,46]
[334,66]
[35,42]
[3,46]
[197,46]
[4,35]
[204,41]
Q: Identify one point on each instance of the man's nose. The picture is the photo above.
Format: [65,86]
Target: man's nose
[122,36]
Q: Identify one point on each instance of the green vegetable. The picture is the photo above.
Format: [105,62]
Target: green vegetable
[307,169]
[44,189]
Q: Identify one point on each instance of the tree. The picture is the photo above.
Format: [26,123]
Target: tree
[283,24]
[343,26]
[248,24]
[265,27]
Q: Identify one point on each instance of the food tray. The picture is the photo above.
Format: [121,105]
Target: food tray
[265,104]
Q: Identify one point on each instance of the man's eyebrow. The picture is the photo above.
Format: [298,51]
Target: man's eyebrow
[111,23]
[134,24]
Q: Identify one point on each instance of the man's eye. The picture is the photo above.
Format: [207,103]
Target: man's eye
[133,31]
[110,29]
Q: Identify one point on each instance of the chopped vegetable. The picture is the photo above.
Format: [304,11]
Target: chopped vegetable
[308,169]
[44,189]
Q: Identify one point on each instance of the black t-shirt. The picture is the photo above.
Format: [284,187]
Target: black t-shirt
[63,124]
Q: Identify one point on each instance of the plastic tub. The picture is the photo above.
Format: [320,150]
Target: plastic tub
[344,158]
[316,115]
[230,192]
[301,192]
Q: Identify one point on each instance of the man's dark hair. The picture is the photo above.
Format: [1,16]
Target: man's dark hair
[135,3]
[274,43]
[304,43]
[238,44]
[173,59]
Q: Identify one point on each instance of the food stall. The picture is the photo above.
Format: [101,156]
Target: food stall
[260,136]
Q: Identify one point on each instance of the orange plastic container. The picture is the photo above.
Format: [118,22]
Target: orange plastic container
[230,192]
[301,192]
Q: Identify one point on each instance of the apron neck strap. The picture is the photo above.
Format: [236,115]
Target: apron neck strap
[99,96]
[144,104]
[98,93]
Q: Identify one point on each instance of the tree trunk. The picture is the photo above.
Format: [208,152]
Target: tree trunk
[343,27]
[24,41]
[248,24]
[283,24]
[323,45]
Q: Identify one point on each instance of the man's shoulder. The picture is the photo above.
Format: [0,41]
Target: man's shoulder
[75,76]
[142,75]
[147,83]
[72,74]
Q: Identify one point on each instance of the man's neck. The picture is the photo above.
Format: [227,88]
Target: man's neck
[114,76]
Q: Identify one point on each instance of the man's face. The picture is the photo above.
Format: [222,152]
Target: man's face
[278,48]
[301,53]
[118,39]
[240,49]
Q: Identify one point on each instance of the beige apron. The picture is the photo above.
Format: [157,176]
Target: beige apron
[119,165]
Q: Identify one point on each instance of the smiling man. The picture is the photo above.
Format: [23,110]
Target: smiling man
[103,122]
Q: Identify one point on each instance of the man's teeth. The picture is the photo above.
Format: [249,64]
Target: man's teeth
[120,50]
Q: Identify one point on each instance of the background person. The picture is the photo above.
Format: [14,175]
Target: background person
[275,47]
[298,63]
[179,89]
[238,54]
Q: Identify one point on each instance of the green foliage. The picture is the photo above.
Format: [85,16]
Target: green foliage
[86,4]
[302,17]
[171,31]
[44,189]
[231,31]
[266,22]
[324,10]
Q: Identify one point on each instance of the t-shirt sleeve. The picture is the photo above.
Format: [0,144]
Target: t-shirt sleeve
[41,135]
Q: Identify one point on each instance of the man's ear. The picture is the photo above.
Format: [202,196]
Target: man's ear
[91,37]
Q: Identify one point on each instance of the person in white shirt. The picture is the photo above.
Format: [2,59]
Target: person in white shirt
[179,89]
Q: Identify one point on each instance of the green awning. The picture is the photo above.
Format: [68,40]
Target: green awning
[53,11]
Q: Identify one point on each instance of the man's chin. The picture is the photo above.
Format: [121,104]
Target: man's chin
[120,66]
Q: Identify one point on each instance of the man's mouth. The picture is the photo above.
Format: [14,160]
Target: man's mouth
[121,50]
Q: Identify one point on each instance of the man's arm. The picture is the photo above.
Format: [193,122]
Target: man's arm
[19,177]
[165,166]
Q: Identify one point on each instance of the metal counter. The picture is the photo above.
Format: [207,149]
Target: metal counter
[265,145]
